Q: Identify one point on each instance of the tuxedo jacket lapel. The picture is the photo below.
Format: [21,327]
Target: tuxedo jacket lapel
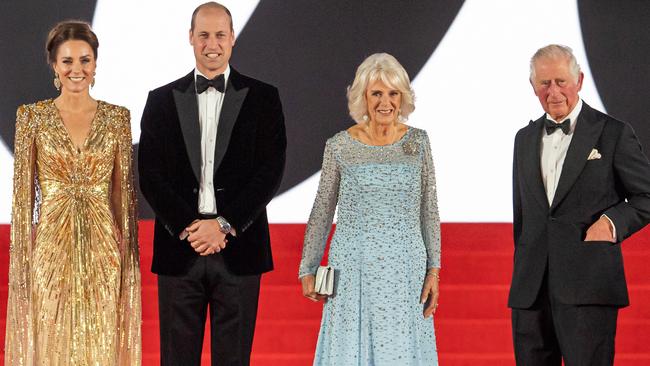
[235,95]
[588,129]
[533,171]
[188,117]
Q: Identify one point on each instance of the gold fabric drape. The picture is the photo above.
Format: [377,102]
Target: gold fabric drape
[74,277]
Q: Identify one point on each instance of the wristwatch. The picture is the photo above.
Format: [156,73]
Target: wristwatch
[225,225]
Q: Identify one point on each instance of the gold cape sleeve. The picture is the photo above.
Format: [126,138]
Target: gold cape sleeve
[19,336]
[130,309]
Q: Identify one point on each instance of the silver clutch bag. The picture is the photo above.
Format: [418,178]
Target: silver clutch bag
[324,280]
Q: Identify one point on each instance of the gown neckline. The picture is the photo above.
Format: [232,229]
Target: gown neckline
[61,123]
[399,141]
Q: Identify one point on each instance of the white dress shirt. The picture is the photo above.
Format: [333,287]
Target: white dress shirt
[554,149]
[210,102]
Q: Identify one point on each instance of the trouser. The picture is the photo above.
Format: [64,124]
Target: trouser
[549,332]
[183,303]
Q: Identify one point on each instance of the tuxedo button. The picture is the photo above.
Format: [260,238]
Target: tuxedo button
[195,190]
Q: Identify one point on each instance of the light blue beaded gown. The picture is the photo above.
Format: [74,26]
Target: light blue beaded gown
[387,236]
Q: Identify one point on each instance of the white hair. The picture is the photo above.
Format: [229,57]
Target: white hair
[556,51]
[384,67]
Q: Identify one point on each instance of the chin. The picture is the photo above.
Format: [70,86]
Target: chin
[559,114]
[213,66]
[385,121]
[77,89]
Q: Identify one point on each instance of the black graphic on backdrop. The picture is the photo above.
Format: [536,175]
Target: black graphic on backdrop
[26,77]
[310,51]
[617,41]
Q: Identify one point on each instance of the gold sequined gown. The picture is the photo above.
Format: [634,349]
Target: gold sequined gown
[74,279]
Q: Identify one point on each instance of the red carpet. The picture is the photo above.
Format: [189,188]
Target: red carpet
[472,324]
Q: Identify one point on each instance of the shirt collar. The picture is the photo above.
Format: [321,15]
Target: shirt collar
[573,116]
[226,74]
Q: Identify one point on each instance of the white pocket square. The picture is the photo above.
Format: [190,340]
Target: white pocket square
[594,154]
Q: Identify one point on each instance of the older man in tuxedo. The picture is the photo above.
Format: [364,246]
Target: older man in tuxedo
[212,153]
[581,186]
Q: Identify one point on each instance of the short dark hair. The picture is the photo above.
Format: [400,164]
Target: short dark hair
[66,31]
[210,4]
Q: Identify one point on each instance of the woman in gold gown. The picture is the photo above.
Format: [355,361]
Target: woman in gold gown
[74,279]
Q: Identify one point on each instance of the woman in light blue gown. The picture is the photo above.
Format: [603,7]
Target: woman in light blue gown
[386,248]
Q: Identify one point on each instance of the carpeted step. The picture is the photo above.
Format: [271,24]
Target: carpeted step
[472,324]
[456,302]
[453,335]
[464,267]
[479,268]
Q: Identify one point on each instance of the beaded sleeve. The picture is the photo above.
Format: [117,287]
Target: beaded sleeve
[19,335]
[130,301]
[322,213]
[430,220]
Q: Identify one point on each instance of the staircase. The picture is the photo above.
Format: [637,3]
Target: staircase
[472,322]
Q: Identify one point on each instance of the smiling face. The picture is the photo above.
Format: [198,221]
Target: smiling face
[75,64]
[383,102]
[556,87]
[212,39]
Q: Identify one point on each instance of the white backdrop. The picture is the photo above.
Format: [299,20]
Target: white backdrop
[472,94]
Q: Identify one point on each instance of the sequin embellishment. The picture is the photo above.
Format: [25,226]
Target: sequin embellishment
[74,276]
[387,236]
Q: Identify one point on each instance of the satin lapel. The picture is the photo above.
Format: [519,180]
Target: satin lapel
[232,102]
[588,129]
[533,173]
[188,116]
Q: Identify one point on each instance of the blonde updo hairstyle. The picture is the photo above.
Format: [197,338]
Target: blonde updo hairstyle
[384,67]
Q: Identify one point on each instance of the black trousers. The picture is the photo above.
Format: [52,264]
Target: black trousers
[183,303]
[549,332]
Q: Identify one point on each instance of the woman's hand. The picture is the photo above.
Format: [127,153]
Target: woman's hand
[430,292]
[308,290]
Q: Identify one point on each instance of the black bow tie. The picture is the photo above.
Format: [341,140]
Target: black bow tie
[551,126]
[202,84]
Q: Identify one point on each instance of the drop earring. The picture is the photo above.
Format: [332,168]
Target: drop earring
[57,82]
[92,83]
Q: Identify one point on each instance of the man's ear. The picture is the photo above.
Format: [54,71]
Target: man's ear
[580,79]
[533,86]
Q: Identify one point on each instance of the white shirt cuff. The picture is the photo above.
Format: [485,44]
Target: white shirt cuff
[613,226]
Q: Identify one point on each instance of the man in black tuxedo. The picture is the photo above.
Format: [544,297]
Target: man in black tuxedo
[212,153]
[581,186]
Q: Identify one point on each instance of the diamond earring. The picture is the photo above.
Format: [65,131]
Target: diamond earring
[57,82]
